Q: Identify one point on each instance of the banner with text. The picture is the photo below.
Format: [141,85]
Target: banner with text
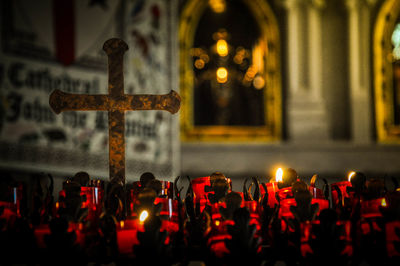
[35,60]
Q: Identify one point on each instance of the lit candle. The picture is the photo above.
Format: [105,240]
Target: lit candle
[383,203]
[351,174]
[143,216]
[342,187]
[272,188]
[279,175]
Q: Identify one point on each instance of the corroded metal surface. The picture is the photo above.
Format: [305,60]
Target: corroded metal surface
[116,102]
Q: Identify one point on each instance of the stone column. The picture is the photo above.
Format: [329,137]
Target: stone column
[315,48]
[360,70]
[307,113]
[294,45]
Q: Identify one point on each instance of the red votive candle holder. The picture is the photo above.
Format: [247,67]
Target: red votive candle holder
[284,211]
[167,189]
[217,237]
[371,208]
[199,194]
[392,238]
[343,190]
[272,188]
[169,208]
[94,199]
[44,229]
[215,214]
[127,235]
[316,192]
[254,209]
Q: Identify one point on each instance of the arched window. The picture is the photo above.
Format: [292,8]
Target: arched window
[230,78]
[387,72]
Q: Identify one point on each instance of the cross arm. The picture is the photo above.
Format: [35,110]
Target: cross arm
[60,101]
[168,102]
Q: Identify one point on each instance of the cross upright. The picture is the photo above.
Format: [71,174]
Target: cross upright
[116,102]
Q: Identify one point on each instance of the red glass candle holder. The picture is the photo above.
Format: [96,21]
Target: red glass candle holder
[285,193]
[8,211]
[272,188]
[167,189]
[343,190]
[215,213]
[169,209]
[392,238]
[284,211]
[217,236]
[94,200]
[255,211]
[199,185]
[42,230]
[316,192]
[371,208]
[127,235]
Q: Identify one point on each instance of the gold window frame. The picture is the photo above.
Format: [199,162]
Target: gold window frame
[387,131]
[272,131]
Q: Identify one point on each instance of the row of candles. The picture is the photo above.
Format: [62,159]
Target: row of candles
[128,228]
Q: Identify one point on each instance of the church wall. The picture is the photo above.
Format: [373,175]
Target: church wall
[335,70]
[349,143]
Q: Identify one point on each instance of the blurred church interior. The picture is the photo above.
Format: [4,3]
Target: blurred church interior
[309,84]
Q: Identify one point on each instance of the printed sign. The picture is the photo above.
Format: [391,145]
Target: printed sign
[32,136]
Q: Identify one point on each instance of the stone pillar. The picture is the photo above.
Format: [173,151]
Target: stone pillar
[315,48]
[294,45]
[307,113]
[360,70]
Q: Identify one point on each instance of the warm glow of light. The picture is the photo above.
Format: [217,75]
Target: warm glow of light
[222,75]
[205,57]
[143,216]
[217,222]
[196,52]
[258,82]
[258,56]
[249,76]
[218,6]
[240,55]
[222,48]
[383,203]
[57,205]
[122,224]
[199,64]
[351,175]
[279,175]
[80,226]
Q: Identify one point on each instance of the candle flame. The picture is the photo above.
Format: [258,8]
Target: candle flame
[351,175]
[222,48]
[383,203]
[217,222]
[122,224]
[143,216]
[57,205]
[279,175]
[222,75]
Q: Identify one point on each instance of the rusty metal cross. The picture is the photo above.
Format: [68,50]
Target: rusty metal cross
[116,102]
